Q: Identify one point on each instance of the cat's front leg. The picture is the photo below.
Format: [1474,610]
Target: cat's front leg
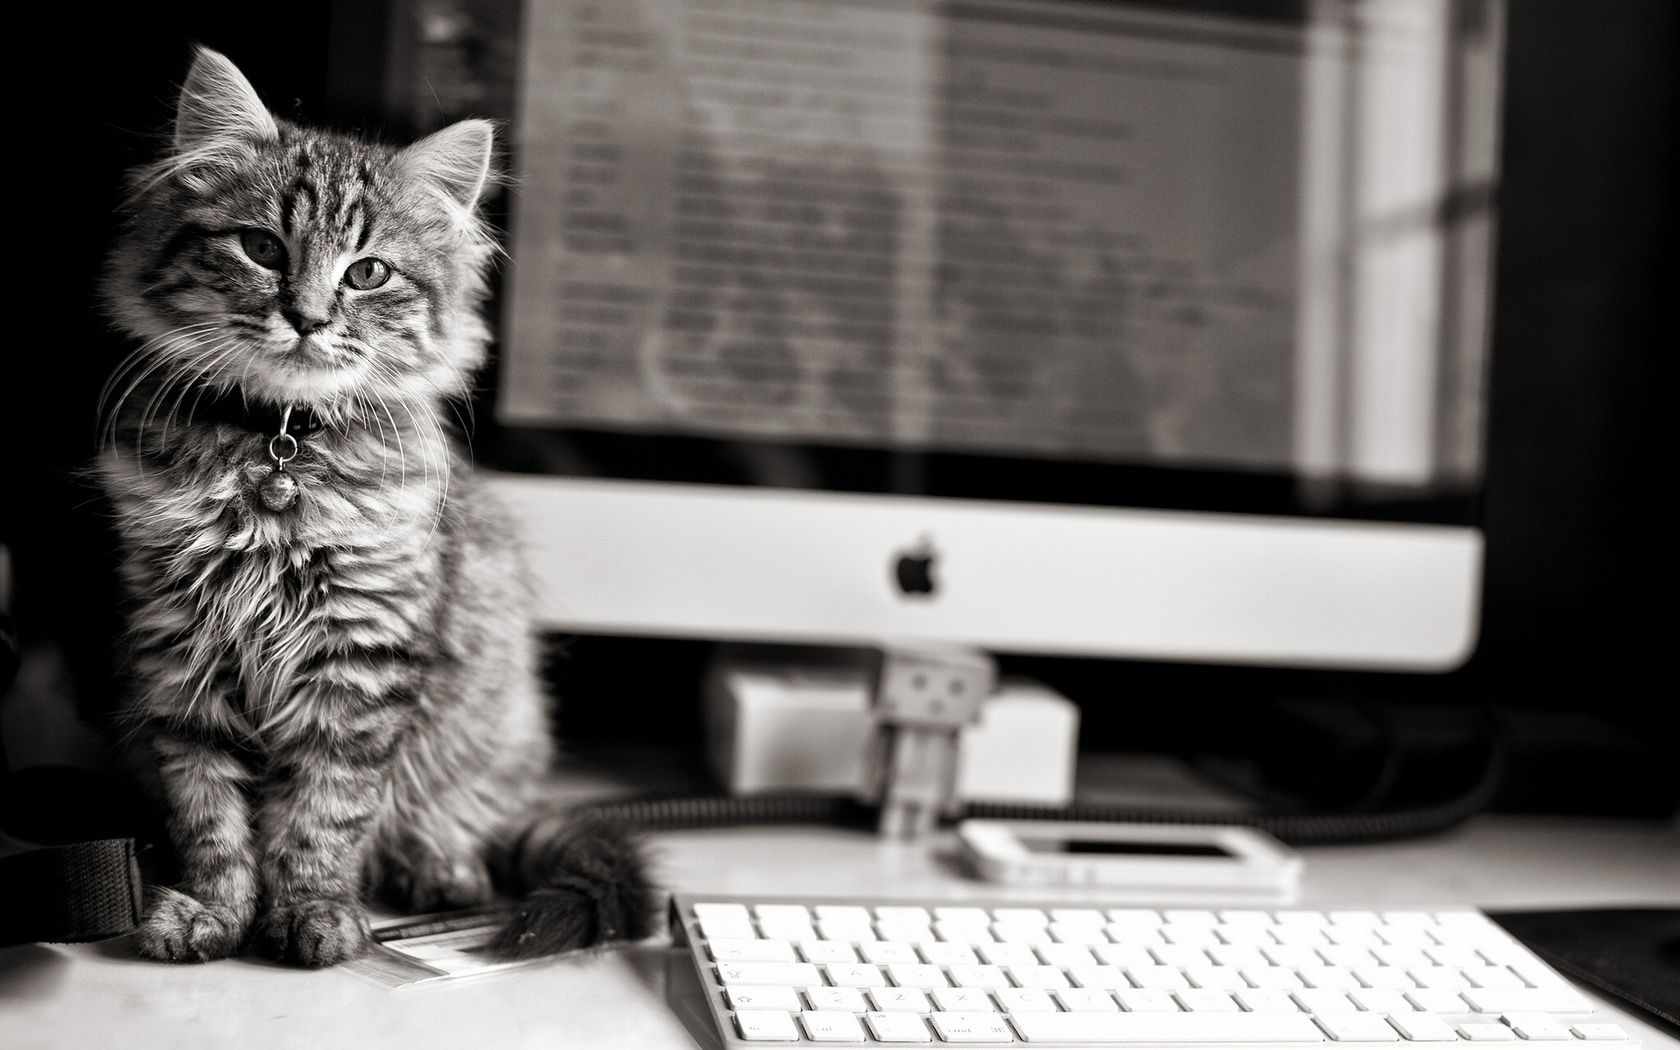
[320,804]
[206,788]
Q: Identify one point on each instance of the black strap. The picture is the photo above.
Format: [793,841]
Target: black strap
[84,891]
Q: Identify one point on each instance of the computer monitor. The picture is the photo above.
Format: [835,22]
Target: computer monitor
[1144,330]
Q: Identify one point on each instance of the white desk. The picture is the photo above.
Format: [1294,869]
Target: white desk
[101,996]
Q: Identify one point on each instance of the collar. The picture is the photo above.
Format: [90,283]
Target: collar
[233,408]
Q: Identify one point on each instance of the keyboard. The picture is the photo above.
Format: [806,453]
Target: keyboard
[781,971]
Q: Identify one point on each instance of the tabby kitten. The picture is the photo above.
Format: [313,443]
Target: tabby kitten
[333,672]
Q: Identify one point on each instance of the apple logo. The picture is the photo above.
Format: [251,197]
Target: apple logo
[913,571]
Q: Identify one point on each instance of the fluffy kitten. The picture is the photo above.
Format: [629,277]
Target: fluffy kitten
[340,694]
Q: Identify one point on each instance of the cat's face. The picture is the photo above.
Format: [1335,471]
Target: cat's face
[301,266]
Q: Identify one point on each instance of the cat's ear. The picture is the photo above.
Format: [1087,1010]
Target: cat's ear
[218,105]
[456,159]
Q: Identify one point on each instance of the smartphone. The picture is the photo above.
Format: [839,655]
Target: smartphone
[1150,861]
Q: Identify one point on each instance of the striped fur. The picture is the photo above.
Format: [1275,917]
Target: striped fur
[342,695]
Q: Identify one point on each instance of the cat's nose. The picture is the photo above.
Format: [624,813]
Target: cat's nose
[304,323]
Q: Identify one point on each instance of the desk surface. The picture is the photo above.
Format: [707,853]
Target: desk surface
[101,995]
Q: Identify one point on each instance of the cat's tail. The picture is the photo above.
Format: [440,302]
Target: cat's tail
[584,880]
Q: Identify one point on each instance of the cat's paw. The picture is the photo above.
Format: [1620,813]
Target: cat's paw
[323,931]
[431,883]
[182,928]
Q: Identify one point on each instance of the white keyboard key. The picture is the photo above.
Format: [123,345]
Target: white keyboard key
[708,909]
[1355,936]
[1122,955]
[728,927]
[1024,916]
[899,1000]
[768,973]
[1003,954]
[963,916]
[1024,1000]
[1086,999]
[962,999]
[1135,916]
[898,1028]
[827,952]
[1448,977]
[1406,936]
[1108,977]
[789,912]
[1436,1000]
[1600,1032]
[1226,977]
[1346,957]
[943,953]
[1301,918]
[1037,977]
[766,1025]
[787,928]
[1079,916]
[1423,1028]
[1157,977]
[898,930]
[1300,936]
[1524,1000]
[1357,1028]
[1207,1000]
[979,977]
[730,949]
[1493,977]
[1190,916]
[1140,936]
[1245,917]
[831,1026]
[1459,955]
[1536,1026]
[1272,977]
[910,914]
[1291,955]
[1022,933]
[1077,933]
[1237,955]
[825,998]
[972,1027]
[1408,918]
[1328,977]
[884,952]
[1325,1001]
[1405,958]
[1383,977]
[1252,934]
[1362,919]
[1189,933]
[1146,1001]
[1066,955]
[1380,1001]
[962,932]
[917,975]
[1161,1028]
[1266,1001]
[854,975]
[844,930]
[761,997]
[1486,1033]
[1179,956]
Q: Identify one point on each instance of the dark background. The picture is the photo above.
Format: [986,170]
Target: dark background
[1575,590]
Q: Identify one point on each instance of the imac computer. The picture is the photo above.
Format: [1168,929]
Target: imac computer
[1144,330]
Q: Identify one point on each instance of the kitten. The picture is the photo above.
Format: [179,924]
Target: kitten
[334,683]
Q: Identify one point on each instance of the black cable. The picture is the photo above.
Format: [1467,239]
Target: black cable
[678,813]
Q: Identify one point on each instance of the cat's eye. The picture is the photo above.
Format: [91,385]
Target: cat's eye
[367,273]
[264,249]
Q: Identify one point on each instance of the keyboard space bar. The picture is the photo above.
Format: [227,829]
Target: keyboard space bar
[1166,1028]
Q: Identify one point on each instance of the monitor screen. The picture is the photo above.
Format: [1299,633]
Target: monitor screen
[1128,254]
